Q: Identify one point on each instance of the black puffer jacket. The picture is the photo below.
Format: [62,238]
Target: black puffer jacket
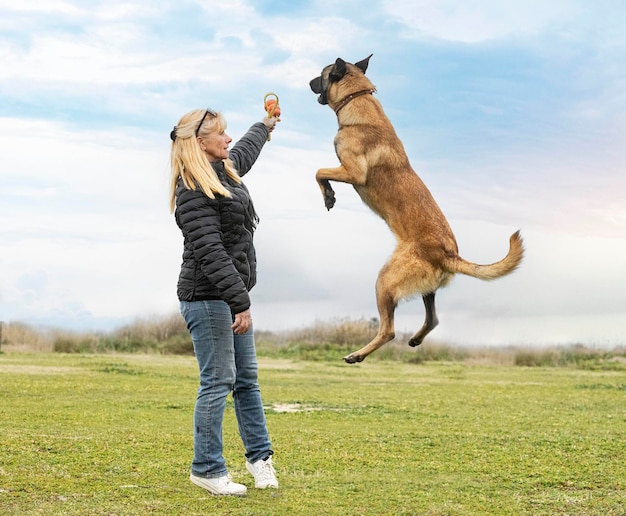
[219,260]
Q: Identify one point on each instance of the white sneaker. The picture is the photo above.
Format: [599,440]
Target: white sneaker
[263,473]
[219,485]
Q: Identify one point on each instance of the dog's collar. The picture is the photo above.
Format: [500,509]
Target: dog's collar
[351,97]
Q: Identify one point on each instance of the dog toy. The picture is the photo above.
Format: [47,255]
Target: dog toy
[271,106]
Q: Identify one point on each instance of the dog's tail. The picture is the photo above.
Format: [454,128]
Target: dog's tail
[495,270]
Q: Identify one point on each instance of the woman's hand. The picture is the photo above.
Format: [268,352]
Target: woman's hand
[270,122]
[243,322]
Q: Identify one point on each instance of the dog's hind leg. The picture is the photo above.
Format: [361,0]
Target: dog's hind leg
[429,324]
[387,300]
[385,331]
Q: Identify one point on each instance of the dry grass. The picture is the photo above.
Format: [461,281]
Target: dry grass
[322,341]
[21,337]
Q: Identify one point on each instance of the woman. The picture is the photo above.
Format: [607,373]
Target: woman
[214,211]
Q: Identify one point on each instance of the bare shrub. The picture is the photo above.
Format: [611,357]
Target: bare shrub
[18,336]
[167,335]
[153,328]
[324,340]
[340,331]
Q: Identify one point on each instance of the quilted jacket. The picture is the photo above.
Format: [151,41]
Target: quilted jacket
[219,260]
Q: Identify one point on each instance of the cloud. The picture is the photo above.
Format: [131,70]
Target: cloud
[512,114]
[478,21]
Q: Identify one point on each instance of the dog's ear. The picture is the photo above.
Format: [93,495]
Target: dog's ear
[362,65]
[338,70]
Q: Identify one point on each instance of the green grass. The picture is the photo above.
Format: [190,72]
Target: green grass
[111,434]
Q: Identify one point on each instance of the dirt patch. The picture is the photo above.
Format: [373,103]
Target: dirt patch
[292,407]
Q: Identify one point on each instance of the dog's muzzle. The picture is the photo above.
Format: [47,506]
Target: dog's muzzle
[317,86]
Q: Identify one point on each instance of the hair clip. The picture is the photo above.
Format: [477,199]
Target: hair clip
[173,134]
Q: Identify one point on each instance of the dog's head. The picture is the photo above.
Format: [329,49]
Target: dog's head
[333,74]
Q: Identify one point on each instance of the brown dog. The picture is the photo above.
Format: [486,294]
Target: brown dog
[373,160]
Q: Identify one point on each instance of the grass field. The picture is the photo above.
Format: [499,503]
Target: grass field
[111,435]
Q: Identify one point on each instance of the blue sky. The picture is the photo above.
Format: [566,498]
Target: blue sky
[512,112]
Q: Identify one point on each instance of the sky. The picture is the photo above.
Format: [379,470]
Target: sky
[512,112]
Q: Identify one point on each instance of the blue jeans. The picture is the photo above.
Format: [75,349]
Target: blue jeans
[227,363]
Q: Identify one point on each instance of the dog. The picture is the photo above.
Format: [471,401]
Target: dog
[373,160]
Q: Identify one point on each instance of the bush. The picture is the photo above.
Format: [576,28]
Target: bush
[323,341]
[538,358]
[179,344]
[75,344]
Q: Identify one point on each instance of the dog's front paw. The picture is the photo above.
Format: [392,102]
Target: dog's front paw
[353,359]
[329,199]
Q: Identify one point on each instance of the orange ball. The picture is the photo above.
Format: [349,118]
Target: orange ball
[269,105]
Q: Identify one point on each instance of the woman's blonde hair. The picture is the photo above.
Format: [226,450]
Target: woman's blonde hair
[188,160]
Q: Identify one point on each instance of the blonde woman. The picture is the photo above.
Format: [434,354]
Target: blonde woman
[215,213]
